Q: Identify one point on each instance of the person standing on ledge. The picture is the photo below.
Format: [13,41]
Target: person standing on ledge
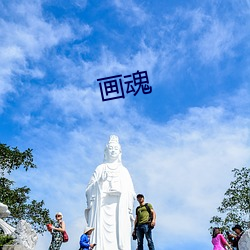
[239,232]
[218,240]
[56,231]
[144,223]
[110,198]
[84,240]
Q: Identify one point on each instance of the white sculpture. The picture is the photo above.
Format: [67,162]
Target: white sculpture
[25,235]
[110,197]
[244,242]
[4,212]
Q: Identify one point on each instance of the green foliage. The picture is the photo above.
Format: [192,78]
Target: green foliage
[11,159]
[17,199]
[235,206]
[6,240]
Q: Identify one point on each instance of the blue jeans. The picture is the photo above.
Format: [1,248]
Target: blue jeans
[142,230]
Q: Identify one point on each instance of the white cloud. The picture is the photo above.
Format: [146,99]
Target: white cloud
[217,42]
[195,34]
[106,65]
[83,102]
[77,95]
[109,64]
[32,33]
[10,58]
[198,19]
[25,39]
[80,3]
[131,12]
[183,167]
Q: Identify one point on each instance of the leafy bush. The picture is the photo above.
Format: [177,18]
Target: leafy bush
[6,240]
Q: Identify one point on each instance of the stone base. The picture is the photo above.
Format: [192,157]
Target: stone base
[13,247]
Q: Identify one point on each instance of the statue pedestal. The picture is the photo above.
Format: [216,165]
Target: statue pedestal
[13,247]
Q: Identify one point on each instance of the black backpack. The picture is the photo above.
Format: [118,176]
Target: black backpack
[149,212]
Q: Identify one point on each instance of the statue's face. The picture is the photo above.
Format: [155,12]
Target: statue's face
[113,150]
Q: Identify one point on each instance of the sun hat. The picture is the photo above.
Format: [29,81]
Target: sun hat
[59,213]
[87,229]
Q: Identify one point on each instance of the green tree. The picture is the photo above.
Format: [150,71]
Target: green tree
[235,206]
[17,199]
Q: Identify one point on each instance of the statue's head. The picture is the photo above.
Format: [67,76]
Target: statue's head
[113,150]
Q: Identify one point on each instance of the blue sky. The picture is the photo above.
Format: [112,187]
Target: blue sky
[179,143]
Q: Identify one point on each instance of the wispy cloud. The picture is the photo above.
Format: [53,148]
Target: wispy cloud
[216,43]
[183,161]
[80,3]
[25,40]
[182,164]
[85,103]
[132,13]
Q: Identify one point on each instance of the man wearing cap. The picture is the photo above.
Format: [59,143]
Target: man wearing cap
[84,240]
[239,231]
[144,226]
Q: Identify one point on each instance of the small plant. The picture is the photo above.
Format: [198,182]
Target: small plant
[6,240]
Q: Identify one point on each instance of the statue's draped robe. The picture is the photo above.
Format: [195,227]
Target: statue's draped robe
[110,198]
[4,212]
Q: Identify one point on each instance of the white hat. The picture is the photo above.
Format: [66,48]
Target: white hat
[87,229]
[59,213]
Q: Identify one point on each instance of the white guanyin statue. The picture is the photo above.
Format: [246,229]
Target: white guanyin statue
[110,197]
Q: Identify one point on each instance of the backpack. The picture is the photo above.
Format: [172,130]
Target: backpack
[149,212]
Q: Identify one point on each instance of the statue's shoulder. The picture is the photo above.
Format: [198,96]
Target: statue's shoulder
[125,171]
[100,167]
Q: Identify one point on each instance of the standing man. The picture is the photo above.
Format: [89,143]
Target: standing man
[144,223]
[239,231]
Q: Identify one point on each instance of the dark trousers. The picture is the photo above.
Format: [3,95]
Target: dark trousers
[142,230]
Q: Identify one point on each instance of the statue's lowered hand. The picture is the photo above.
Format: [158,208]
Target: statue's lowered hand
[132,218]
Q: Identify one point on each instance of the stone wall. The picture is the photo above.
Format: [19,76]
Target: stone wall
[13,247]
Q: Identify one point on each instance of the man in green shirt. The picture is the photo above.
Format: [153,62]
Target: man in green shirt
[144,223]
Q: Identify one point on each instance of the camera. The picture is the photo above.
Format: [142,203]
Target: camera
[134,235]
